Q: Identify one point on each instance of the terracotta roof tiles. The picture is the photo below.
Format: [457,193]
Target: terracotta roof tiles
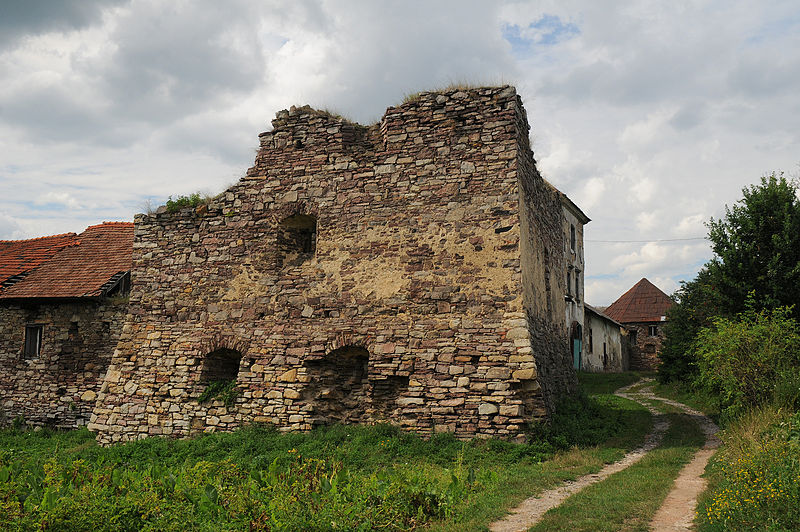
[642,303]
[20,257]
[82,268]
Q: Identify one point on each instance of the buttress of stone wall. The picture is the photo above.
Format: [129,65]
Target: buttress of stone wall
[355,274]
[58,388]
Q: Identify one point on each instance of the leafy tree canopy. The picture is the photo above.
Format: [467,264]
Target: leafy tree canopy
[756,264]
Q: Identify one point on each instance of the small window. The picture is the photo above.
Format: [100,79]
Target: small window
[653,330]
[633,337]
[605,356]
[297,239]
[572,237]
[569,283]
[33,341]
[577,285]
[590,339]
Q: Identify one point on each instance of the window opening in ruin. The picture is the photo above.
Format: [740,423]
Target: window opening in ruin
[572,237]
[633,337]
[337,391]
[219,374]
[577,285]
[590,340]
[569,284]
[297,239]
[653,330]
[33,341]
[605,356]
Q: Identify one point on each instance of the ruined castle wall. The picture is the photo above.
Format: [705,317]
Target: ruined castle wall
[407,305]
[544,256]
[58,388]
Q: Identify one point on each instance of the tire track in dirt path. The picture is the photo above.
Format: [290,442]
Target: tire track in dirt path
[677,511]
[531,510]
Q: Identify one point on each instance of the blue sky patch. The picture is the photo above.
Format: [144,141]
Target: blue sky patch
[547,31]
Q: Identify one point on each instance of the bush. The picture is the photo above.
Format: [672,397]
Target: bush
[750,360]
[182,202]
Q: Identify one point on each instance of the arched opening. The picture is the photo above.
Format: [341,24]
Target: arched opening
[337,390]
[219,374]
[297,239]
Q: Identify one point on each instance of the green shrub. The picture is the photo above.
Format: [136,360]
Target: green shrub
[182,202]
[751,359]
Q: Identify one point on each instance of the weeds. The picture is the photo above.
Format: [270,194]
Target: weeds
[755,478]
[182,202]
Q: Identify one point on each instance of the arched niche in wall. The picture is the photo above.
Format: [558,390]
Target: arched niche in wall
[297,239]
[337,389]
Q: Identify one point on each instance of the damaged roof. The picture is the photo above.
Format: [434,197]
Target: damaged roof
[85,267]
[642,303]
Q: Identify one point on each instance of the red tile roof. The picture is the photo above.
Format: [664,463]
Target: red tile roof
[80,270]
[19,257]
[642,303]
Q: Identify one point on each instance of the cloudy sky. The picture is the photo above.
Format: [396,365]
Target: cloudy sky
[650,115]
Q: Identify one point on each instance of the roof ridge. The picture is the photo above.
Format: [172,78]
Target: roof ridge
[40,237]
[111,224]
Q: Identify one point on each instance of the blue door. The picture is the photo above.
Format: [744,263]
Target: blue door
[576,353]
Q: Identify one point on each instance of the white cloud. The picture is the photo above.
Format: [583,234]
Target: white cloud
[648,120]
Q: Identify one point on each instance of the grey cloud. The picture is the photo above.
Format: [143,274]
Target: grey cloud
[19,18]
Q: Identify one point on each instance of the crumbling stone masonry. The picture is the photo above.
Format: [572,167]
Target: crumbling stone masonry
[394,272]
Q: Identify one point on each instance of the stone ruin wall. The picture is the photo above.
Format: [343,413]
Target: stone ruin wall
[411,309]
[59,387]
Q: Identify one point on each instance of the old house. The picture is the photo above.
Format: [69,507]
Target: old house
[605,343]
[643,311]
[62,306]
[407,271]
[573,220]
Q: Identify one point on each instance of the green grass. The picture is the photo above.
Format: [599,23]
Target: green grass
[754,479]
[607,383]
[338,477]
[695,398]
[628,500]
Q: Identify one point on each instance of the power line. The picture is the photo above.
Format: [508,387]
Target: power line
[646,241]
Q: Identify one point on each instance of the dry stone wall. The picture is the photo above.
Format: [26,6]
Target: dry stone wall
[394,272]
[59,387]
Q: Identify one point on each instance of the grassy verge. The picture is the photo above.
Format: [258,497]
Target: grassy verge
[754,479]
[334,478]
[629,499]
[697,399]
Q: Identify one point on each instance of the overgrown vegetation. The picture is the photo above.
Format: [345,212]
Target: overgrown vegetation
[750,360]
[224,390]
[755,479]
[182,202]
[333,478]
[756,255]
[733,339]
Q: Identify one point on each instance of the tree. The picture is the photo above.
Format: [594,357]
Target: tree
[757,247]
[756,254]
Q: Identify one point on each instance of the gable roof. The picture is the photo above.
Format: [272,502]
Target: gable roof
[98,255]
[642,303]
[600,314]
[19,257]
